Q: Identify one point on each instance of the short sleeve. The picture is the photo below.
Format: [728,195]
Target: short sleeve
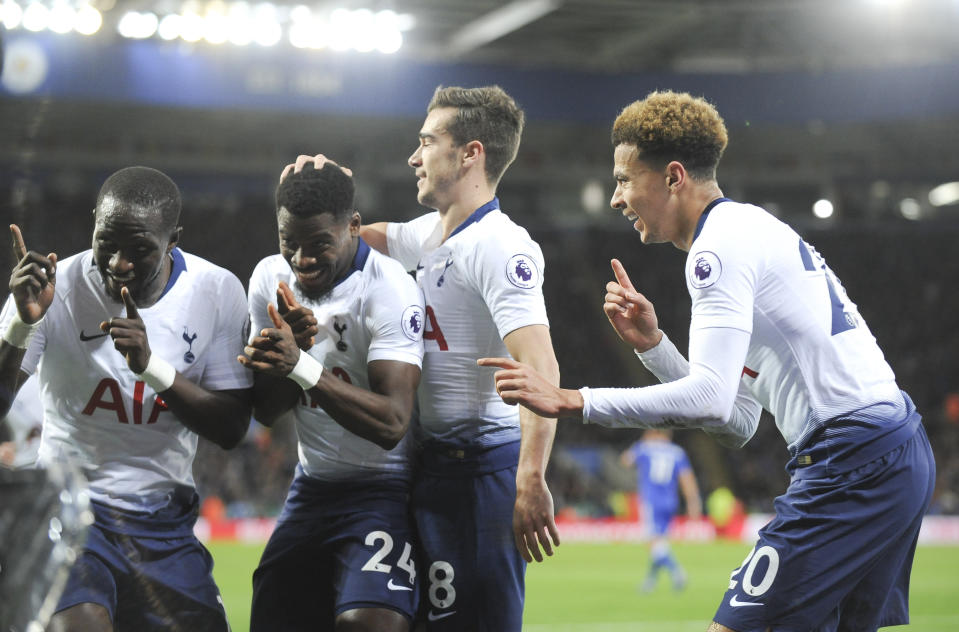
[407,241]
[223,372]
[508,272]
[397,317]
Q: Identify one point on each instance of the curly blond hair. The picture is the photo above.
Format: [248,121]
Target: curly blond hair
[669,126]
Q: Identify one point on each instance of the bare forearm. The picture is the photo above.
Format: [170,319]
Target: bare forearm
[220,416]
[10,359]
[372,416]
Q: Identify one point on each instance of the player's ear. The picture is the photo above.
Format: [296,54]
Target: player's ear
[356,222]
[675,175]
[174,239]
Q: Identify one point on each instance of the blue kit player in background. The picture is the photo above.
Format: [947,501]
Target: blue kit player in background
[480,499]
[662,469]
[134,345]
[771,327]
[337,348]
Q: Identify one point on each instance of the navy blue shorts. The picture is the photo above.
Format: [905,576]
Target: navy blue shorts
[148,571]
[838,554]
[473,575]
[336,547]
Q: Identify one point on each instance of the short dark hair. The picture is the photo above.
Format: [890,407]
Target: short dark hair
[316,191]
[486,114]
[144,189]
[668,126]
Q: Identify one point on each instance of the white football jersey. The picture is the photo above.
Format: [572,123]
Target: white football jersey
[483,282]
[375,313]
[25,420]
[811,356]
[135,452]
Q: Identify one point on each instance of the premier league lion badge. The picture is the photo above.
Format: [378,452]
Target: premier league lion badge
[522,272]
[704,269]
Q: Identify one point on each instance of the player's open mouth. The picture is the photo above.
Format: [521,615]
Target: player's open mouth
[631,216]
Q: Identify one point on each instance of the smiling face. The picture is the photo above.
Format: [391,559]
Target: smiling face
[642,195]
[436,162]
[130,248]
[319,248]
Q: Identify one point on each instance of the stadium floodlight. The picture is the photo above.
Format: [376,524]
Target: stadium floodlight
[910,208]
[36,17]
[87,20]
[216,28]
[62,17]
[387,33]
[191,27]
[10,15]
[945,194]
[137,25]
[363,33]
[267,34]
[823,208]
[169,27]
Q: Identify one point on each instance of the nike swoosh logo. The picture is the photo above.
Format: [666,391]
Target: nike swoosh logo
[393,586]
[436,616]
[85,337]
[736,603]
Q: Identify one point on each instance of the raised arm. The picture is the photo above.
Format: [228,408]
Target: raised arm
[32,287]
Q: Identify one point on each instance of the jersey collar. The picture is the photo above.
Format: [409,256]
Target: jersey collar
[359,260]
[702,218]
[477,215]
[178,266]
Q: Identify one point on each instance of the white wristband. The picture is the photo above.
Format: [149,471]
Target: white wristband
[159,374]
[19,333]
[307,371]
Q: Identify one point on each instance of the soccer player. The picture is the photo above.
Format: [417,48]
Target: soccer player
[771,327]
[134,345]
[663,470]
[338,348]
[480,500]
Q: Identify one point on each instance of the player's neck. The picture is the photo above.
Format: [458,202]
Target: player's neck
[463,206]
[695,200]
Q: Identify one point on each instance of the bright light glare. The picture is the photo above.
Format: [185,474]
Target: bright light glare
[944,194]
[822,209]
[191,28]
[36,17]
[267,34]
[169,28]
[216,29]
[135,25]
[87,20]
[910,208]
[61,18]
[10,14]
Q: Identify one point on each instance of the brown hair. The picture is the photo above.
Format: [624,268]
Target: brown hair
[486,114]
[669,126]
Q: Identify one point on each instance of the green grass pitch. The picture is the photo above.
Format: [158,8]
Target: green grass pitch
[589,587]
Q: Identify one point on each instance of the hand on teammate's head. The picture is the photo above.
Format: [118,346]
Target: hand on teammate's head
[318,161]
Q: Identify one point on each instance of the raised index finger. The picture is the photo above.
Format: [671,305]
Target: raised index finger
[503,363]
[19,248]
[621,277]
[132,312]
